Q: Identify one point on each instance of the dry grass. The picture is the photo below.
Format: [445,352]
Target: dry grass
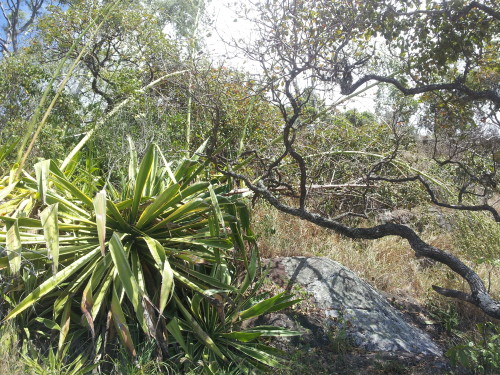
[389,263]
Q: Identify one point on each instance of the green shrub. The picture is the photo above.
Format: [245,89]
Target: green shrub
[164,257]
[480,356]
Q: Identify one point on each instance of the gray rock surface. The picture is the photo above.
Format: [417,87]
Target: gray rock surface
[370,320]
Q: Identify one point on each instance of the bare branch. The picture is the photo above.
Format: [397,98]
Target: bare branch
[432,195]
[490,95]
[479,295]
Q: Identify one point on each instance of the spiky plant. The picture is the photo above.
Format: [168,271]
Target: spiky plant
[167,255]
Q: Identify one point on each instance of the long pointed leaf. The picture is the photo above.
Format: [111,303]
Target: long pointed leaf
[158,205]
[65,322]
[51,284]
[42,175]
[129,281]
[198,331]
[121,324]
[167,285]
[140,183]
[100,217]
[13,246]
[51,233]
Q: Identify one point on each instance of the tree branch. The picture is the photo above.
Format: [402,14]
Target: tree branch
[432,195]
[491,95]
[479,295]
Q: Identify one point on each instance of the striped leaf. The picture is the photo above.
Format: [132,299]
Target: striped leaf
[13,246]
[51,233]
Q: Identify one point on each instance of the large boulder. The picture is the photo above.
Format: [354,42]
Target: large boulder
[370,320]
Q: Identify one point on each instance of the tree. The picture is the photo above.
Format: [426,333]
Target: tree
[18,17]
[444,54]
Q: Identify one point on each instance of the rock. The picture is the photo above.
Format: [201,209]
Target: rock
[369,319]
[400,216]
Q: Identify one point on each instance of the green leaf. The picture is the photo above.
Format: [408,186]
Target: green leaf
[242,336]
[210,280]
[268,305]
[257,353]
[60,179]
[7,190]
[167,286]
[140,183]
[213,242]
[51,233]
[218,212]
[116,215]
[174,328]
[121,324]
[158,206]
[274,331]
[13,246]
[198,331]
[157,251]
[50,324]
[65,322]
[129,281]
[51,284]
[42,177]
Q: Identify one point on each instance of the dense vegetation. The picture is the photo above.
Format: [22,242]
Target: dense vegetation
[127,155]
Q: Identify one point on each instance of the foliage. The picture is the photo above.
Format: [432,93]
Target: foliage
[477,235]
[53,365]
[165,256]
[480,356]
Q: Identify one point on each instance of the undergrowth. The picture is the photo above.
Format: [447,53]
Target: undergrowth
[389,265]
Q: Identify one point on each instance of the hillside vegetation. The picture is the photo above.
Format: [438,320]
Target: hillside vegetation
[142,180]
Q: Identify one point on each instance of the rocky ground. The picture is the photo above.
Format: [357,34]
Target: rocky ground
[349,328]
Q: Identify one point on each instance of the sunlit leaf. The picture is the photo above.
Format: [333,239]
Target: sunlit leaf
[51,233]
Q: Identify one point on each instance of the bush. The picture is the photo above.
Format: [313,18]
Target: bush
[480,356]
[164,257]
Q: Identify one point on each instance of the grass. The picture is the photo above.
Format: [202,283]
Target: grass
[388,264]
[10,362]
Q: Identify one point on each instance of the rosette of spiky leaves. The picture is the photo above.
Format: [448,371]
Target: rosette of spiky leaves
[167,253]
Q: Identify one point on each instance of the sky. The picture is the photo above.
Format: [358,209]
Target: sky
[229,26]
